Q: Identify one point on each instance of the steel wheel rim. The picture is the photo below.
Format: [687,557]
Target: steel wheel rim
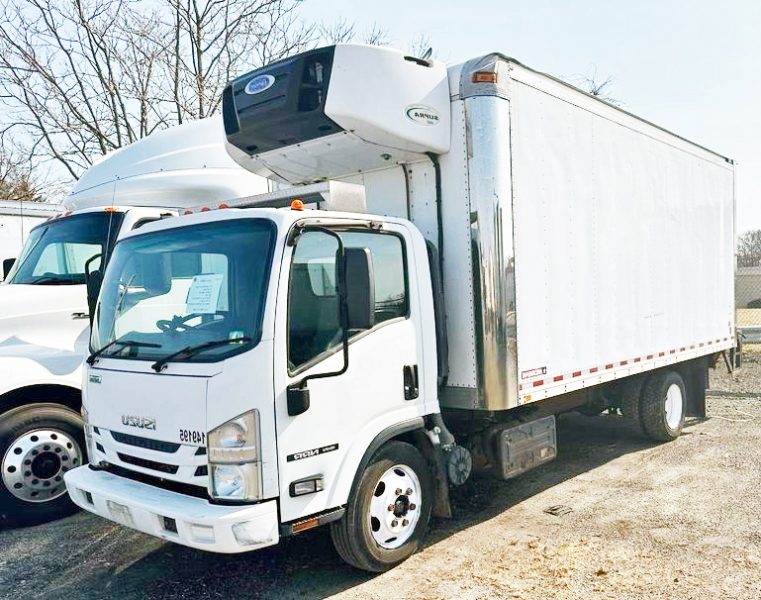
[34,464]
[395,507]
[674,406]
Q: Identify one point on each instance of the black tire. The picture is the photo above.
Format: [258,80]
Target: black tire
[25,419]
[631,392]
[653,406]
[352,535]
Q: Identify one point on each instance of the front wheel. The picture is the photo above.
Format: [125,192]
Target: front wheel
[38,444]
[388,513]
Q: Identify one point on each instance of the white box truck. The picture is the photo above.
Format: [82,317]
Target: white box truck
[472,250]
[44,325]
[17,218]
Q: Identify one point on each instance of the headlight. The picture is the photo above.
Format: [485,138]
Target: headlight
[235,469]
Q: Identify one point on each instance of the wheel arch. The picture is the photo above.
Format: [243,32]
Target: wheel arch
[412,431]
[64,395]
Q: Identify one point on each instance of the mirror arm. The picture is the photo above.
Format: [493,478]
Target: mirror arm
[88,275]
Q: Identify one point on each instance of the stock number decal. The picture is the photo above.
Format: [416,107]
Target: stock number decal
[192,437]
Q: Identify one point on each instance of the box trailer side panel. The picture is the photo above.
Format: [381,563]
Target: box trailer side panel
[623,242]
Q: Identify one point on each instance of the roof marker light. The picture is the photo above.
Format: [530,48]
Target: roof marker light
[188,212]
[205,209]
[484,77]
[297,204]
[223,205]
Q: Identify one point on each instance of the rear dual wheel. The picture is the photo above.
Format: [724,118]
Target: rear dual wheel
[388,513]
[657,405]
[38,444]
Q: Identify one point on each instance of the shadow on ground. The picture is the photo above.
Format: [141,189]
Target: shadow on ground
[112,562]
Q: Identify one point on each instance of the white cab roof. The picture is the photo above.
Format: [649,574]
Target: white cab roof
[178,167]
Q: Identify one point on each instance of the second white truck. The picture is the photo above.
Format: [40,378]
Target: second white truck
[471,251]
[44,321]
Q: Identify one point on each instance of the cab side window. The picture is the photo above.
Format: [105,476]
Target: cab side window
[387,253]
[313,304]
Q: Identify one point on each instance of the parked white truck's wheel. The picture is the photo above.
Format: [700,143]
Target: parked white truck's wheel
[38,444]
[388,513]
[662,406]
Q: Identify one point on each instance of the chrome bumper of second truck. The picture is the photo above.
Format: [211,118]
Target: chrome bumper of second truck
[174,517]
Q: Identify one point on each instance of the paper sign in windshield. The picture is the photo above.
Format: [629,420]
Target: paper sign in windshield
[203,295]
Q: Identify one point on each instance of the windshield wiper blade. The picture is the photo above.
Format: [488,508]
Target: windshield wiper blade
[119,342]
[53,279]
[189,351]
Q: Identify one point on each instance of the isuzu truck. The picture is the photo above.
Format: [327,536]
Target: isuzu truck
[44,324]
[468,252]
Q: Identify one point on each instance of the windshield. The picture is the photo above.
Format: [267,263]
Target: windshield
[166,291]
[56,252]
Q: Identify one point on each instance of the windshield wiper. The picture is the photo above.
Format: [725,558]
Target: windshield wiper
[54,279]
[119,342]
[189,351]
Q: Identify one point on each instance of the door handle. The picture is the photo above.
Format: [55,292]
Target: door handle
[79,315]
[411,387]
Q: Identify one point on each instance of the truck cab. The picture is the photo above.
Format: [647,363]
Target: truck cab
[230,326]
[44,327]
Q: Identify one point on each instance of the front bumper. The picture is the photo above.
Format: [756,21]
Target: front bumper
[174,517]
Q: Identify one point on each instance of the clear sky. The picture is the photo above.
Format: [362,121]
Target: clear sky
[691,66]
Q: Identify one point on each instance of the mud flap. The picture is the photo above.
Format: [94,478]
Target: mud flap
[695,375]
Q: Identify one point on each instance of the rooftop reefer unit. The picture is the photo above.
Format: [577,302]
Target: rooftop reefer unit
[579,243]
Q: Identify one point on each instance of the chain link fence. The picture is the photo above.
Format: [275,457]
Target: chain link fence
[748,303]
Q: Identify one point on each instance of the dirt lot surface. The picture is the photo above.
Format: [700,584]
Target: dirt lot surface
[679,520]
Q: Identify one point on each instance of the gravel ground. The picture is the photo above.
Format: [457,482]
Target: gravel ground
[679,520]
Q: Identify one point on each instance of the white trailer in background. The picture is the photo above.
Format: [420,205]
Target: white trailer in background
[483,247]
[17,218]
[44,325]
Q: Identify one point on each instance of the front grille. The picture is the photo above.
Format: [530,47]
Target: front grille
[173,486]
[147,464]
[141,442]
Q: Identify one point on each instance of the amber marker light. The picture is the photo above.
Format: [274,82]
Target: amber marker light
[297,204]
[484,77]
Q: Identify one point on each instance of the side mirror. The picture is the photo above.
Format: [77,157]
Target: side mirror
[7,266]
[360,289]
[93,281]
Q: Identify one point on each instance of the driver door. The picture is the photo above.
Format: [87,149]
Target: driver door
[349,407]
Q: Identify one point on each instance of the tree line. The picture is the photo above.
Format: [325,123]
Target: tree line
[80,78]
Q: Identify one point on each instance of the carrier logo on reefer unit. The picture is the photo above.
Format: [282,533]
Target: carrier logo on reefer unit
[259,83]
[423,115]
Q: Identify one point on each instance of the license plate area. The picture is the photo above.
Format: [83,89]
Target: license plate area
[120,513]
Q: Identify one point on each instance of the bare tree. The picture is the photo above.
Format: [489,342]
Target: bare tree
[16,181]
[83,77]
[342,32]
[214,40]
[749,249]
[421,45]
[595,85]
